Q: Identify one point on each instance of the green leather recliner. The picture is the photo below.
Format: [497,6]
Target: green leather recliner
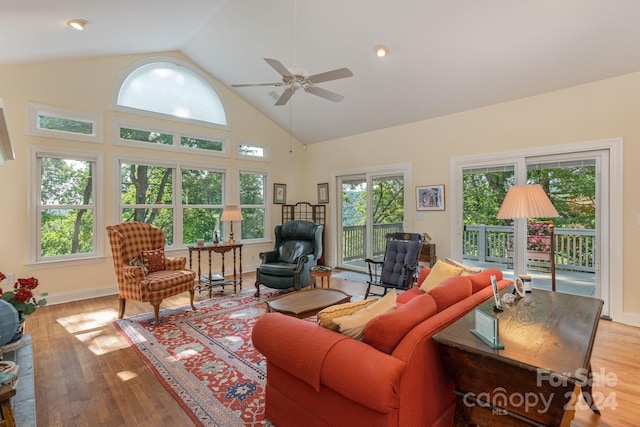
[297,248]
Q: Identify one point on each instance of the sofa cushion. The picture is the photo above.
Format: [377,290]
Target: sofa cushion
[424,272]
[385,331]
[481,280]
[439,273]
[353,324]
[451,291]
[153,260]
[408,295]
[326,316]
[466,269]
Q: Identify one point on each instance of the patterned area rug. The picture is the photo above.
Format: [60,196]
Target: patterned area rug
[205,358]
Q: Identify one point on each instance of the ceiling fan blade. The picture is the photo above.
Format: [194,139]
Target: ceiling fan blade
[257,84]
[340,73]
[323,93]
[286,95]
[277,65]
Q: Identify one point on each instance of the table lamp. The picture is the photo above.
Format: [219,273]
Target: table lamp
[231,213]
[530,201]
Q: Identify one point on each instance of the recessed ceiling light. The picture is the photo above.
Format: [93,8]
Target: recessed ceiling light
[77,24]
[381,50]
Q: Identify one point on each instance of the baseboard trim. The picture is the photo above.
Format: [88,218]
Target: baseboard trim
[83,294]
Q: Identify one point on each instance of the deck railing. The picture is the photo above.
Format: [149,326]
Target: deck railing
[574,248]
[354,240]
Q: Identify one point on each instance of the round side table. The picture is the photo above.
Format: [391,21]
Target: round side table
[320,272]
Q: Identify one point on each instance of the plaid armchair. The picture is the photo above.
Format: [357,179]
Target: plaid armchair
[128,242]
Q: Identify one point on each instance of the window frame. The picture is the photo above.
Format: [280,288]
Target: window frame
[177,205]
[267,212]
[34,179]
[175,133]
[140,112]
[34,110]
[266,147]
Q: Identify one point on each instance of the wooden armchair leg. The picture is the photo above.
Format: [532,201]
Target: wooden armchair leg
[123,303]
[257,294]
[192,293]
[156,310]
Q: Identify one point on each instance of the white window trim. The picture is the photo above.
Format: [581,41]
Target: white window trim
[33,217]
[177,134]
[264,145]
[206,78]
[268,227]
[36,109]
[177,188]
[615,217]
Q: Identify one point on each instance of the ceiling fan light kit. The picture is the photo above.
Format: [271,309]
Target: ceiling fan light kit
[294,78]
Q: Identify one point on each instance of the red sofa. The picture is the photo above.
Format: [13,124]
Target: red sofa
[396,377]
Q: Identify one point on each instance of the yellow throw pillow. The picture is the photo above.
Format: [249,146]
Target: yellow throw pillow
[466,269]
[353,324]
[439,273]
[326,316]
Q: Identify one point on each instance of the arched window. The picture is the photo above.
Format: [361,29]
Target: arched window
[172,89]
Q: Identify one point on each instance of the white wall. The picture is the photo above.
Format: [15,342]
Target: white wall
[90,85]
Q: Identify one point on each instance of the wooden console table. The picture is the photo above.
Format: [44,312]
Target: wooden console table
[219,248]
[548,338]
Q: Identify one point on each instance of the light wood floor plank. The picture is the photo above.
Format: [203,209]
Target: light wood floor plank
[86,373]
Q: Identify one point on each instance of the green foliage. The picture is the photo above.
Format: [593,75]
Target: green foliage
[571,190]
[203,144]
[387,201]
[65,125]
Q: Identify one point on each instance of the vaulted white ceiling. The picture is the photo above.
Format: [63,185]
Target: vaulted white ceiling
[446,56]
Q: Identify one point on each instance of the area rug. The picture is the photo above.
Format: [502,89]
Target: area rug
[205,358]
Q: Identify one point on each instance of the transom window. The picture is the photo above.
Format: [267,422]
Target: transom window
[173,90]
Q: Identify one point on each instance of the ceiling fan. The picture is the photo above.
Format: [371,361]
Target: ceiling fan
[295,78]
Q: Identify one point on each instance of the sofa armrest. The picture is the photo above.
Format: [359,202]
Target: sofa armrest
[297,346]
[318,356]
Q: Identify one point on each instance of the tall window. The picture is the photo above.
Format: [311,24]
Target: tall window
[201,204]
[185,202]
[146,195]
[253,204]
[65,205]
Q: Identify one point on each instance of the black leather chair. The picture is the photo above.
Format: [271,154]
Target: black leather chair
[398,267]
[298,247]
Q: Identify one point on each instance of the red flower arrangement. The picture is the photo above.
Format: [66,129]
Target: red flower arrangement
[23,296]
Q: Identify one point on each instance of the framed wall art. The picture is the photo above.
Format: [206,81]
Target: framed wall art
[280,194]
[323,193]
[430,198]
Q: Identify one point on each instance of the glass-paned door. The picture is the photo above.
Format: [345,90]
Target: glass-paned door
[574,183]
[371,206]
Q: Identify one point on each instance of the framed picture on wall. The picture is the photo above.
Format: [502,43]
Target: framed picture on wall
[280,193]
[323,193]
[430,198]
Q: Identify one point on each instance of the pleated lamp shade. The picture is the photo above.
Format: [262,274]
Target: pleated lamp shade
[526,201]
[8,322]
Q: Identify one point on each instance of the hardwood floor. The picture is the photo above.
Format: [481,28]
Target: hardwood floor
[86,373]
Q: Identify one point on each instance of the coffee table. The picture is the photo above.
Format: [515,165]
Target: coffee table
[303,304]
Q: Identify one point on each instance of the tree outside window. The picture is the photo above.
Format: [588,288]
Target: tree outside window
[67,207]
[252,205]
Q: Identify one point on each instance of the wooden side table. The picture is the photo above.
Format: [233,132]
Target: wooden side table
[219,248]
[320,272]
[428,254]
